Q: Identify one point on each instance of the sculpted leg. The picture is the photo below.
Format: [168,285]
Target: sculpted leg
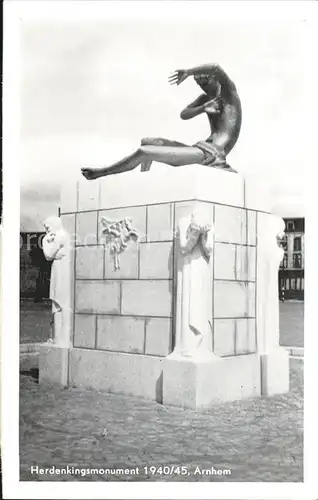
[129,163]
[159,141]
[156,141]
[175,156]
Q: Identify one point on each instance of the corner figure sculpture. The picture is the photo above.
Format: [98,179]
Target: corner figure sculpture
[57,248]
[275,255]
[118,234]
[220,102]
[194,286]
[270,255]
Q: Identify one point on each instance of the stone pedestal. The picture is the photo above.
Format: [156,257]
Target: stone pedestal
[126,335]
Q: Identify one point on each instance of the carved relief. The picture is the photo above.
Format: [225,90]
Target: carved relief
[118,234]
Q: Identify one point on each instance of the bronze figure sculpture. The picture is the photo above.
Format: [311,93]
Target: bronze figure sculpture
[222,105]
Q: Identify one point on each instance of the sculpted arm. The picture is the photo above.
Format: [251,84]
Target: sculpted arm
[207,69]
[201,105]
[195,108]
[212,69]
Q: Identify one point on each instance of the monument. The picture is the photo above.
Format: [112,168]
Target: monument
[176,294]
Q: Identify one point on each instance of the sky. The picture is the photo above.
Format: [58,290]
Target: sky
[91,89]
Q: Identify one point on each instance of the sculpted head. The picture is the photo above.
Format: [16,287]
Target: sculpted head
[208,83]
[52,224]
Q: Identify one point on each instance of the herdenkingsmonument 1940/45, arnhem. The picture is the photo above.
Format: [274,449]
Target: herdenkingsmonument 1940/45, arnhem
[169,289]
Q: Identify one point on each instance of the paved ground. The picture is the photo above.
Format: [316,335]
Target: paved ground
[292,323]
[35,322]
[257,439]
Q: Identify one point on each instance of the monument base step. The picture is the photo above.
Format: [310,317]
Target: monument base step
[188,383]
[275,372]
[175,381]
[53,364]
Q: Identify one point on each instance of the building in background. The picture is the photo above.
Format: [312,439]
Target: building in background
[291,276]
[291,273]
[35,270]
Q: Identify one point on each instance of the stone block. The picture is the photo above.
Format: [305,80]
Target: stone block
[182,209]
[69,196]
[90,262]
[158,336]
[115,333]
[165,184]
[117,373]
[85,330]
[136,214]
[224,337]
[219,186]
[230,225]
[234,299]
[129,263]
[245,263]
[168,184]
[69,224]
[245,336]
[53,365]
[156,260]
[147,298]
[251,227]
[275,372]
[97,297]
[234,262]
[86,228]
[229,379]
[160,221]
[88,195]
[225,261]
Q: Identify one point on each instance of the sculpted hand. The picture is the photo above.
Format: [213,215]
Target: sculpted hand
[178,76]
[50,237]
[213,106]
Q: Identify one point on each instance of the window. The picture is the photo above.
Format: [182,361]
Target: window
[297,244]
[284,263]
[290,226]
[297,263]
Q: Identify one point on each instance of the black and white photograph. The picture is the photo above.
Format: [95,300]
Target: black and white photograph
[162,248]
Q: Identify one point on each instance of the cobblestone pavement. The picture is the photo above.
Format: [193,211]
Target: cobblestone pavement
[257,439]
[291,319]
